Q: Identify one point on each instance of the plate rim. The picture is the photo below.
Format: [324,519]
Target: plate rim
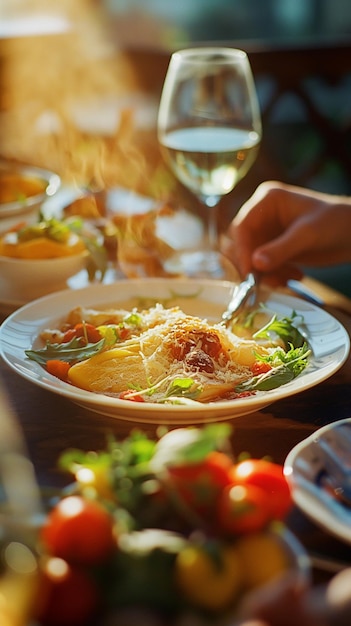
[210,411]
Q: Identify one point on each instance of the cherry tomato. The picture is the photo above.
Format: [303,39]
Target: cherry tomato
[269,477]
[67,595]
[242,509]
[199,484]
[79,530]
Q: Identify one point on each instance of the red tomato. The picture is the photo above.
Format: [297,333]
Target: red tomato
[83,330]
[69,335]
[269,477]
[260,367]
[242,509]
[199,484]
[124,333]
[80,531]
[67,595]
[133,398]
[58,368]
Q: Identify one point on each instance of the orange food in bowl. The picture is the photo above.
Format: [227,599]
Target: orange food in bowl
[17,187]
[41,247]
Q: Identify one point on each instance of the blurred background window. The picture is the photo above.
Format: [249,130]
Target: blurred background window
[182,22]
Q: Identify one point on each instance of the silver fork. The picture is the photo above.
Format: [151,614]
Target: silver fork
[244,296]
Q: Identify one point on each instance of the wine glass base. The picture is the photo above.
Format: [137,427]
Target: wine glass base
[201,264]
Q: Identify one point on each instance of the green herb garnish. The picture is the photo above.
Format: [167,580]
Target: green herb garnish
[284,328]
[285,367]
[70,351]
[183,387]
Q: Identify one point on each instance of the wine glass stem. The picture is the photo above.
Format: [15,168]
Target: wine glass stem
[211,221]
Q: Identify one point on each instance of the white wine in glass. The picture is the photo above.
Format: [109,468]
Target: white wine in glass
[209,130]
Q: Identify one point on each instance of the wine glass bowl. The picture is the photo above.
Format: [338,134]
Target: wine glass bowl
[209,130]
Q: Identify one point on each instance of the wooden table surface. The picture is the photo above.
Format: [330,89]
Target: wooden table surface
[51,423]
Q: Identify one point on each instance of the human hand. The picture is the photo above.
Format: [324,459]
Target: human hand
[282,227]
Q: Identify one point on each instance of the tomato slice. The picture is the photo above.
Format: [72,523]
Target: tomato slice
[58,368]
[260,367]
[86,331]
[129,394]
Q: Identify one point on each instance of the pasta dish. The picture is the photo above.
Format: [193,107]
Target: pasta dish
[163,355]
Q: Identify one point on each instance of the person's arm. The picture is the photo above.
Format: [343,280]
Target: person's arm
[282,227]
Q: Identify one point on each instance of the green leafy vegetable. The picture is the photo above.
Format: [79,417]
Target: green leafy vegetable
[70,352]
[285,367]
[134,319]
[194,450]
[285,329]
[184,387]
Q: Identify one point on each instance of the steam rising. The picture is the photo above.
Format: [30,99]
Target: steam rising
[70,98]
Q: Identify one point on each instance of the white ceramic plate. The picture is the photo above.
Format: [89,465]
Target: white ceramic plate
[205,298]
[304,469]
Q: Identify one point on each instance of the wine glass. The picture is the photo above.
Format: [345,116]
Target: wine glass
[209,130]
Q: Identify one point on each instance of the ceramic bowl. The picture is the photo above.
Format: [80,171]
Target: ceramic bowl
[23,188]
[28,279]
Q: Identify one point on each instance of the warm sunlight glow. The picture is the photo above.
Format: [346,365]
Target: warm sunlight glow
[244,469]
[19,558]
[85,476]
[71,506]
[56,568]
[237,493]
[69,98]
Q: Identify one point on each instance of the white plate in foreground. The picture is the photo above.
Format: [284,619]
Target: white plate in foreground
[304,470]
[205,298]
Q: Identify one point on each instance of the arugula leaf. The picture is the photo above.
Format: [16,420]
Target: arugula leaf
[184,387]
[292,363]
[70,351]
[284,328]
[270,380]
